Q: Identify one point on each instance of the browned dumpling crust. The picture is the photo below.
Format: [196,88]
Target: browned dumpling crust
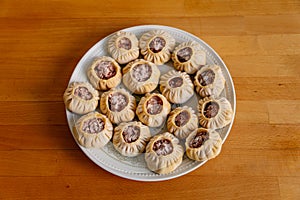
[203,144]
[176,86]
[153,109]
[214,113]
[123,47]
[141,76]
[81,98]
[118,105]
[209,80]
[182,121]
[156,46]
[163,153]
[104,73]
[130,139]
[188,57]
[93,130]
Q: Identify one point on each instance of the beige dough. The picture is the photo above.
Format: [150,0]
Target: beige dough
[118,105]
[214,113]
[182,121]
[153,109]
[176,86]
[141,76]
[156,46]
[188,57]
[123,47]
[93,130]
[163,153]
[130,139]
[104,73]
[203,144]
[209,80]
[81,98]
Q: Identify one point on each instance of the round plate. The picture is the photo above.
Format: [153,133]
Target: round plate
[135,168]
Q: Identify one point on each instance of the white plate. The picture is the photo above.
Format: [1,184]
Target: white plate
[135,168]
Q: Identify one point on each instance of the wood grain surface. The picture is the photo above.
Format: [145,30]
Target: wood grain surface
[41,43]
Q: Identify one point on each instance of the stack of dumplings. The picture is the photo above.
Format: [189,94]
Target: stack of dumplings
[109,112]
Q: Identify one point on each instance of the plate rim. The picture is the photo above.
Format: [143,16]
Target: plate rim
[166,176]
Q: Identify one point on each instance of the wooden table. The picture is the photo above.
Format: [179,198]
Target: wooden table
[41,43]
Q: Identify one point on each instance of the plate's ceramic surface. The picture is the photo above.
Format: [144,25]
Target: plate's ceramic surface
[135,168]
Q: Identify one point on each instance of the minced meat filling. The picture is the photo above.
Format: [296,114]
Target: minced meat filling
[131,134]
[182,118]
[163,147]
[117,101]
[105,70]
[157,44]
[141,72]
[94,125]
[83,93]
[211,109]
[199,139]
[176,82]
[184,54]
[124,43]
[206,78]
[154,105]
